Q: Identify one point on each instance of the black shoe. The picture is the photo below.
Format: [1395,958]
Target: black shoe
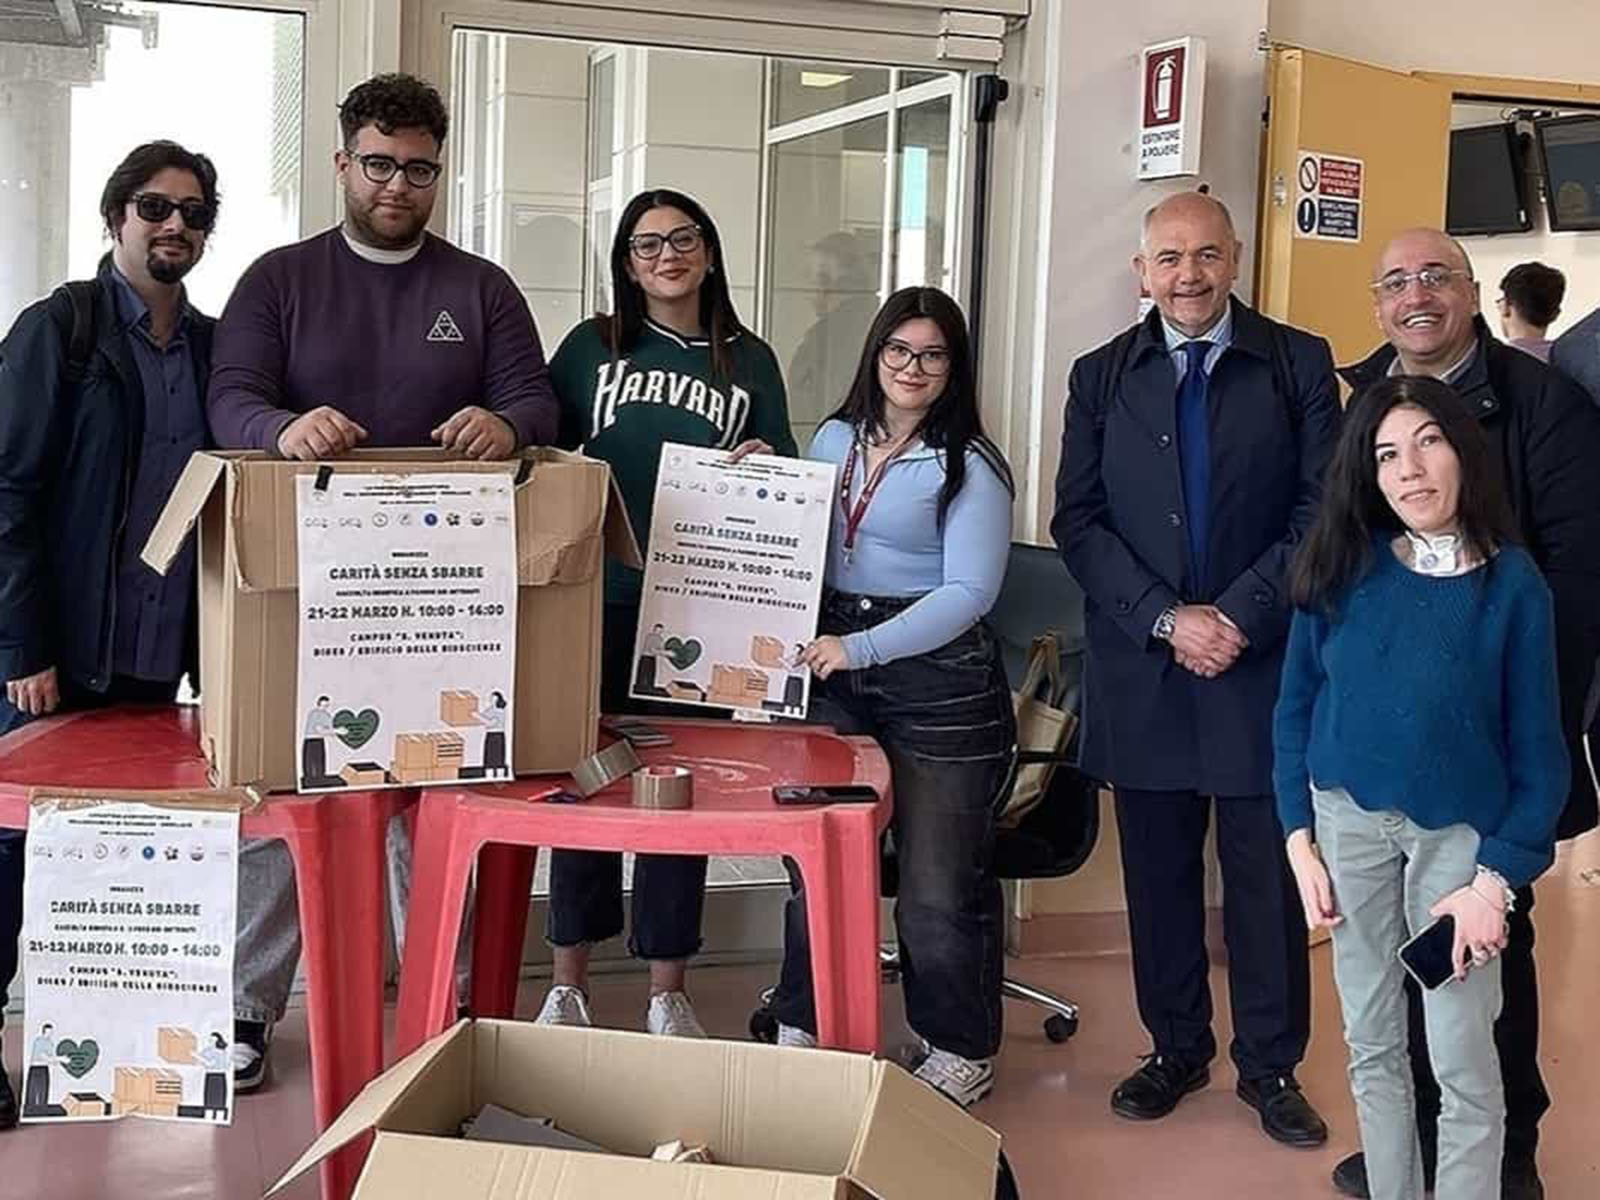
[1519,1180]
[8,1103]
[1286,1115]
[252,1050]
[1154,1089]
[1350,1176]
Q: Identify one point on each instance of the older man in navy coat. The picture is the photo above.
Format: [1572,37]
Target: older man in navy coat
[1191,466]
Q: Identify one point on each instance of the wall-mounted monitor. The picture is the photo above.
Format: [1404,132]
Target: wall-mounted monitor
[1487,192]
[1569,148]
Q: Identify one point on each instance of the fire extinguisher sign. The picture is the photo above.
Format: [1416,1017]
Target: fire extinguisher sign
[1172,79]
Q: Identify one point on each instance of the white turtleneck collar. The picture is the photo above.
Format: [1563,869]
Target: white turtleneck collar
[374,254]
[1438,554]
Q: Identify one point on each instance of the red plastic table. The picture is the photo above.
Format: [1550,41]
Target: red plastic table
[337,843]
[735,768]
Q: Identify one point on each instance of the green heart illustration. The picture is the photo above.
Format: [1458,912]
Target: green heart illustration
[81,1056]
[682,653]
[356,729]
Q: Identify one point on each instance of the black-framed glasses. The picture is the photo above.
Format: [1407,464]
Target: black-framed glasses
[1431,278]
[380,168]
[897,356]
[685,239]
[156,208]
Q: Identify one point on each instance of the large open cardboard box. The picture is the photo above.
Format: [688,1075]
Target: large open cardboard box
[569,517]
[782,1124]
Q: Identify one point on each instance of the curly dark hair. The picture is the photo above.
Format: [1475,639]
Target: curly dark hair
[143,164]
[393,101]
[1535,291]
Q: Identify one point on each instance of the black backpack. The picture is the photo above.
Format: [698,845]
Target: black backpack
[81,295]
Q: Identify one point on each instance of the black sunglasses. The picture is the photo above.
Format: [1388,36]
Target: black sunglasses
[156,208]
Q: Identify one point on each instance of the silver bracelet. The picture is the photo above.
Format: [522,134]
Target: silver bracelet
[1509,892]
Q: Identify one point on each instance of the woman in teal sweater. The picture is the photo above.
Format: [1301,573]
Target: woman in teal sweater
[1418,735]
[671,363]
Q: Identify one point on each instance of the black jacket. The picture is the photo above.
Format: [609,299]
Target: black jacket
[68,453]
[1148,724]
[1545,433]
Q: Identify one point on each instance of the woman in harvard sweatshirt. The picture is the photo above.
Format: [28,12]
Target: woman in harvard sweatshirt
[672,363]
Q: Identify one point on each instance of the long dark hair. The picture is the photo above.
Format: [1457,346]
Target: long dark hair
[953,423]
[621,329]
[1339,547]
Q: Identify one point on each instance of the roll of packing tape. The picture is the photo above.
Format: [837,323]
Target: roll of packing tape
[601,770]
[663,787]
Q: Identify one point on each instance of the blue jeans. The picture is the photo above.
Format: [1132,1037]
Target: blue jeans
[944,720]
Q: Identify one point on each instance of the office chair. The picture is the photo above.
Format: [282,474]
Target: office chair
[1056,837]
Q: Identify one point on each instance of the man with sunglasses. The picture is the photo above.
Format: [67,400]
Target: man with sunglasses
[1546,436]
[101,404]
[373,334]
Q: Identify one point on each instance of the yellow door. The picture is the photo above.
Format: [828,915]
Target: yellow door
[1353,155]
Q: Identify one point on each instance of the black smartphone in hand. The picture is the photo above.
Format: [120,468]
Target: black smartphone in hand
[1428,956]
[832,793]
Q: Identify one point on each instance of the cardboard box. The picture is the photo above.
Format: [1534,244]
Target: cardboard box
[414,751]
[685,691]
[412,776]
[176,1045]
[767,651]
[146,1085]
[745,682]
[86,1104]
[449,749]
[458,707]
[780,1123]
[364,774]
[569,517]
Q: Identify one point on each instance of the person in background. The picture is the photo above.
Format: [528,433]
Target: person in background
[1419,765]
[89,451]
[916,556]
[1530,301]
[374,333]
[1544,439]
[1191,466]
[672,363]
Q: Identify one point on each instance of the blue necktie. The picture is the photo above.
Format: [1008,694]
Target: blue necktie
[1194,458]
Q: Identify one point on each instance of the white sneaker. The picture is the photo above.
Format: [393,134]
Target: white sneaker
[671,1015]
[565,1005]
[790,1035]
[961,1079]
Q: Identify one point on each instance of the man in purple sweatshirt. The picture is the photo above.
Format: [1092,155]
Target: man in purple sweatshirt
[375,333]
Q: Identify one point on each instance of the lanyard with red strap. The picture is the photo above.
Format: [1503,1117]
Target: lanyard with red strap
[854,516]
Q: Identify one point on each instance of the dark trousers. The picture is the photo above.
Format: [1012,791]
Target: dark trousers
[1269,975]
[945,723]
[669,890]
[1516,1036]
[12,844]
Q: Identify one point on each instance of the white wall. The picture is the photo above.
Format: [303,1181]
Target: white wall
[1536,39]
[1075,72]
[1575,254]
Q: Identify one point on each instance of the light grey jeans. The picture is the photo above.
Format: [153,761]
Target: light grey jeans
[1387,871]
[268,951]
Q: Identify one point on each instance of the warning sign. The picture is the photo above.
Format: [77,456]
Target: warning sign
[1329,190]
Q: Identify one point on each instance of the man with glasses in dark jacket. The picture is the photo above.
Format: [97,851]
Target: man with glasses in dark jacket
[1545,434]
[101,403]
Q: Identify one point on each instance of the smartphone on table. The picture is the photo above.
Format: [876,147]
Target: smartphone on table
[829,793]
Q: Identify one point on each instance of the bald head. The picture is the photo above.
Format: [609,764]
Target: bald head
[1188,261]
[1187,207]
[1425,300]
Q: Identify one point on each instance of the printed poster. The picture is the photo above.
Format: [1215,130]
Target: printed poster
[732,581]
[127,939]
[408,621]
[1329,190]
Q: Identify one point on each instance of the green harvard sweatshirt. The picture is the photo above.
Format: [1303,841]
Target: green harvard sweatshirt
[662,389]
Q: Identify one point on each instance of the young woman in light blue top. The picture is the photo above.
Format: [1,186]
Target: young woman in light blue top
[921,531]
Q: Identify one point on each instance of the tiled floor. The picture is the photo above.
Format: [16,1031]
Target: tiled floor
[1050,1101]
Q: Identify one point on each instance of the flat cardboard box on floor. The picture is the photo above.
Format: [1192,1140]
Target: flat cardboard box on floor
[782,1124]
[569,517]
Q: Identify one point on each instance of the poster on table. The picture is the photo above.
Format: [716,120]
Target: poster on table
[732,580]
[408,621]
[127,942]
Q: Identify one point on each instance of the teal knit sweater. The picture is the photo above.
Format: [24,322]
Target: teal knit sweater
[1434,697]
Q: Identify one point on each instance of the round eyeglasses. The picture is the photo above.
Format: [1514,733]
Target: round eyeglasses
[381,168]
[685,239]
[897,356]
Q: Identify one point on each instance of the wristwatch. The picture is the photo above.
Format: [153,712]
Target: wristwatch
[1166,624]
